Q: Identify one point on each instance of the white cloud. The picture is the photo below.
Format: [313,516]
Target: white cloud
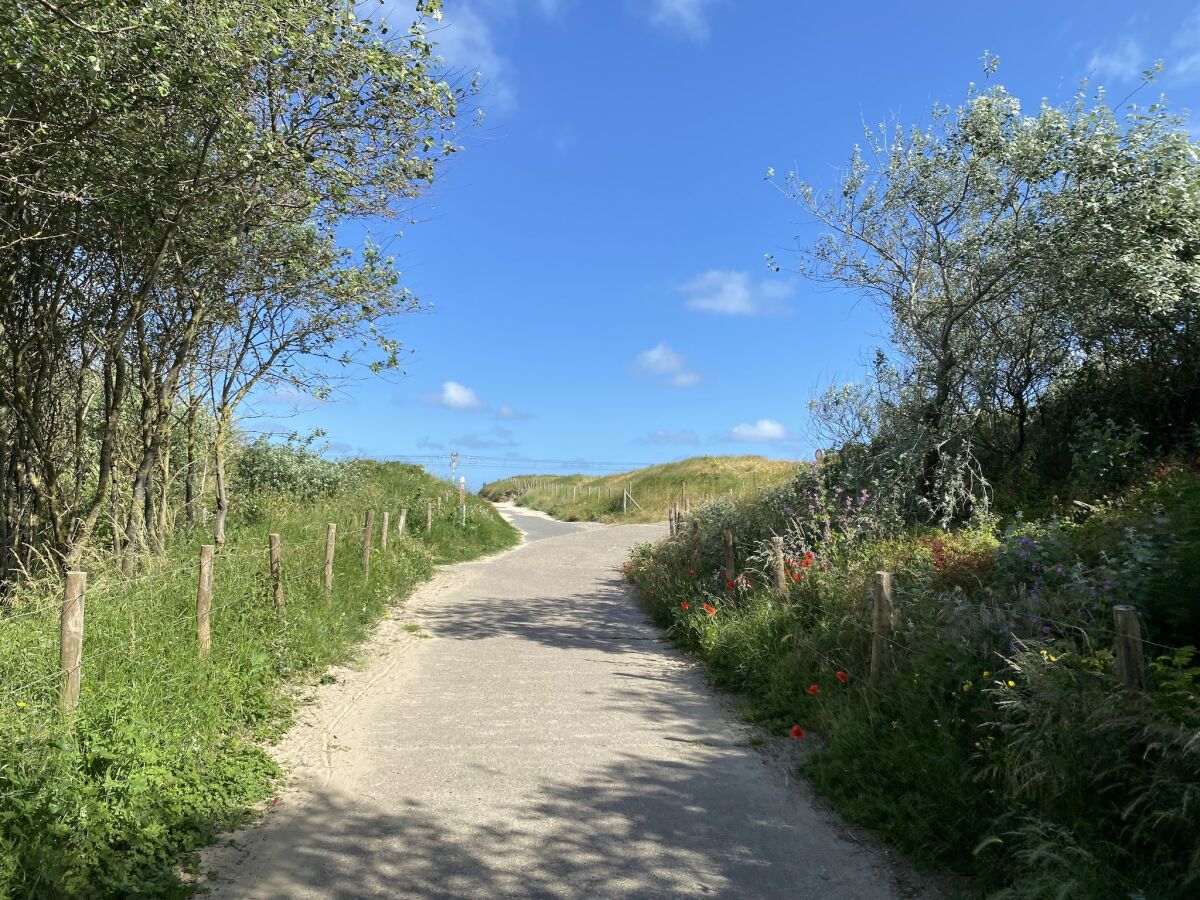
[466,41]
[682,17]
[730,293]
[762,431]
[660,360]
[664,363]
[504,411]
[1123,60]
[458,396]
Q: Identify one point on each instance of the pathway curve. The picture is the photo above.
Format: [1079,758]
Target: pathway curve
[540,740]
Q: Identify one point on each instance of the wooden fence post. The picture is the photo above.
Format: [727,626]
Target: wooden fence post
[383,531]
[624,502]
[330,544]
[881,630]
[403,520]
[70,638]
[368,529]
[1130,664]
[781,582]
[204,601]
[730,567]
[276,570]
[428,516]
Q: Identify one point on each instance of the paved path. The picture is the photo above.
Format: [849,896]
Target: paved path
[541,741]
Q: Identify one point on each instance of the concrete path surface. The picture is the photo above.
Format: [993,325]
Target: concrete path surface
[538,739]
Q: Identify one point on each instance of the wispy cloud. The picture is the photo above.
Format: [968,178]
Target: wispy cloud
[551,8]
[669,367]
[1121,60]
[761,432]
[466,41]
[457,396]
[293,398]
[685,18]
[732,293]
[478,442]
[469,38]
[504,411]
[1186,47]
[684,437]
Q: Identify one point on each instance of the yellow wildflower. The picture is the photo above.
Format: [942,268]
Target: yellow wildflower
[21,704]
[986,673]
[1012,684]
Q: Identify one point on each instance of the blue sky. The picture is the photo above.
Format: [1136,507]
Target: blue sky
[593,261]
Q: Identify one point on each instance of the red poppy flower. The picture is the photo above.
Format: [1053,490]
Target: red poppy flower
[808,559]
[685,604]
[729,585]
[797,732]
[813,690]
[691,571]
[842,677]
[796,576]
[710,609]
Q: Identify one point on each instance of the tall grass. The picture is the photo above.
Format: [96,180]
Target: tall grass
[584,498]
[162,750]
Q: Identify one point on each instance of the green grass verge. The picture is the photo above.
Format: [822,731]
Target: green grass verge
[584,498]
[163,750]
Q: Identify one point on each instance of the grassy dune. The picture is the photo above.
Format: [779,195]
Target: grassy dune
[164,747]
[586,498]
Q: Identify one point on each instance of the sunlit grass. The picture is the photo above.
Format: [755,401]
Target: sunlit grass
[654,489]
[161,748]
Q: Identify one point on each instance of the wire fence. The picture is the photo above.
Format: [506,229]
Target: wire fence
[40,641]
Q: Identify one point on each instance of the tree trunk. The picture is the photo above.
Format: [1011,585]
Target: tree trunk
[222,437]
[164,497]
[189,476]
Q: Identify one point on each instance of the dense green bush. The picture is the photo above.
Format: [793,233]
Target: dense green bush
[292,468]
[1000,743]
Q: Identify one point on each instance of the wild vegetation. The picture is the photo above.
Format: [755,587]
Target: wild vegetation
[174,177]
[165,746]
[588,498]
[1023,456]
